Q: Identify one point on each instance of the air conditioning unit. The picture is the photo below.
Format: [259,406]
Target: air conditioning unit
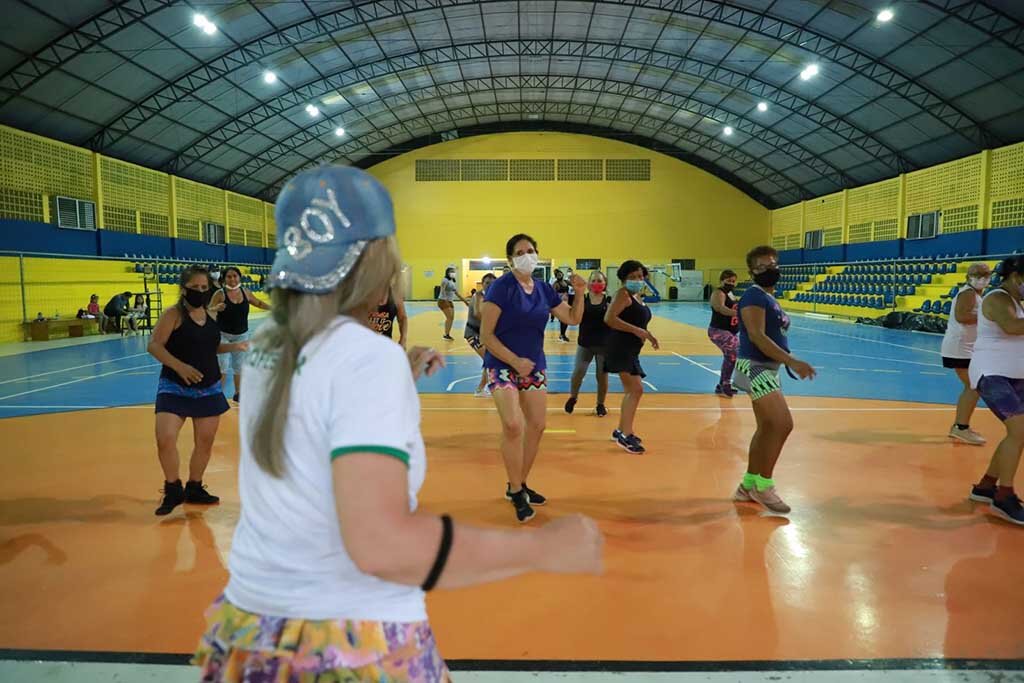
[213,233]
[73,214]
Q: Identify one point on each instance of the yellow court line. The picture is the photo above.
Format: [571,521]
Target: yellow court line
[559,431]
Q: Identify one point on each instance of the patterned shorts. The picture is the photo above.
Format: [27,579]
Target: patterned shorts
[507,379]
[756,378]
[242,646]
[1004,396]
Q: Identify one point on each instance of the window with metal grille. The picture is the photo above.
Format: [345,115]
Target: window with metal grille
[213,233]
[484,169]
[922,226]
[74,214]
[532,169]
[580,169]
[434,170]
[627,169]
[588,264]
[813,239]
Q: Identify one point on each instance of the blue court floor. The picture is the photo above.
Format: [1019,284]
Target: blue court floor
[854,361]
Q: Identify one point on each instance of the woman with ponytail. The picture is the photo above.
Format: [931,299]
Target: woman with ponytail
[187,340]
[331,557]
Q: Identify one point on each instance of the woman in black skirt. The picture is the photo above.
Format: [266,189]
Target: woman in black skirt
[187,340]
[627,316]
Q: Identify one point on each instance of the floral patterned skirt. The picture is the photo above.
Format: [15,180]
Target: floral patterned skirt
[250,648]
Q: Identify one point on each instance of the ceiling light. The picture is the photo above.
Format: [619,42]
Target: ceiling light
[762,106]
[339,131]
[809,72]
[312,110]
[885,15]
[200,20]
[533,117]
[727,130]
[209,28]
[269,77]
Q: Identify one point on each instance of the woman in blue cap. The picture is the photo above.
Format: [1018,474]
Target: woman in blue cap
[331,557]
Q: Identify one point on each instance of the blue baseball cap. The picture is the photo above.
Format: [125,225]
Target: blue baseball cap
[325,218]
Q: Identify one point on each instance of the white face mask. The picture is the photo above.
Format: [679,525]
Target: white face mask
[526,263]
[979,282]
[233,288]
[215,275]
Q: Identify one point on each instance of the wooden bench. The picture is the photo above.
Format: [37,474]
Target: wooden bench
[39,330]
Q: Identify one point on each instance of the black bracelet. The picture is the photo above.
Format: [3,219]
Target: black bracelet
[442,554]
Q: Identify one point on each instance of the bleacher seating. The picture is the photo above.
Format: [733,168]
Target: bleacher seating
[925,286]
[167,272]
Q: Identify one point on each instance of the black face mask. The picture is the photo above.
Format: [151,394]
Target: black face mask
[728,288]
[197,299]
[768,278]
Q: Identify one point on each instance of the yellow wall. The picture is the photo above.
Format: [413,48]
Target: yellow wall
[128,198]
[682,212]
[973,193]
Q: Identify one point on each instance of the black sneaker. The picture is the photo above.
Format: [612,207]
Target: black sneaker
[196,494]
[174,495]
[524,513]
[617,434]
[601,410]
[570,405]
[532,496]
[447,337]
[1009,509]
[725,390]
[630,444]
[236,397]
[983,494]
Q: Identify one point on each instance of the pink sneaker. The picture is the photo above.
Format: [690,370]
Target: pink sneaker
[742,495]
[770,500]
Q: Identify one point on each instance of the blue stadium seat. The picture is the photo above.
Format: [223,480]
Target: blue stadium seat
[926,307]
[946,308]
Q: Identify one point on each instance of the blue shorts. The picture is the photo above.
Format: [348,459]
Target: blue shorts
[1004,396]
[231,363]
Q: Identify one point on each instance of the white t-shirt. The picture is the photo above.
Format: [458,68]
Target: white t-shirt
[353,391]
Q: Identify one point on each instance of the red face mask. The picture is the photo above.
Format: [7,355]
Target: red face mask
[597,287]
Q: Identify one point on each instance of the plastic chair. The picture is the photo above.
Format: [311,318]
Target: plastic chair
[947,307]
[926,307]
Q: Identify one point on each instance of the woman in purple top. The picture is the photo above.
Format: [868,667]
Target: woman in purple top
[512,321]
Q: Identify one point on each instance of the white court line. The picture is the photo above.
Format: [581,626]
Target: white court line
[855,369]
[693,362]
[76,381]
[937,374]
[871,341]
[854,355]
[76,367]
[894,372]
[653,388]
[147,406]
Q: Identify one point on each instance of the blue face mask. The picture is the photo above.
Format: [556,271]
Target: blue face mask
[635,286]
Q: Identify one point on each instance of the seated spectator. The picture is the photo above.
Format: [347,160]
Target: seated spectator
[138,311]
[117,308]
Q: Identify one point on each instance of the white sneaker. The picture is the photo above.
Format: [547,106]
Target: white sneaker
[966,435]
[483,393]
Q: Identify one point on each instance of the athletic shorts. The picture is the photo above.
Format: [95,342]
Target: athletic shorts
[472,335]
[504,378]
[1004,396]
[231,363]
[955,363]
[756,378]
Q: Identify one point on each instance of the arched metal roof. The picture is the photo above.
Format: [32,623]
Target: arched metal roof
[139,80]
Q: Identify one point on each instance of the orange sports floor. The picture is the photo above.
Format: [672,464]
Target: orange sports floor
[882,557]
